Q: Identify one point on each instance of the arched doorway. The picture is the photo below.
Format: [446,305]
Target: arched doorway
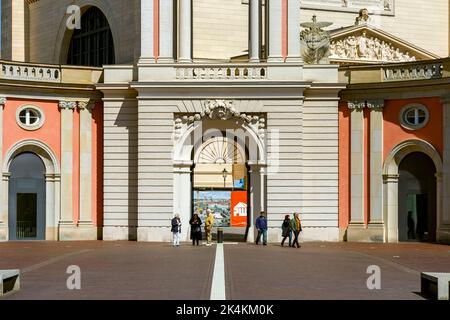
[221,183]
[27,197]
[93,44]
[417,198]
[412,192]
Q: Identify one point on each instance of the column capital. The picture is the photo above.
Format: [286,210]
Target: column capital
[86,105]
[391,178]
[375,104]
[3,101]
[67,105]
[356,105]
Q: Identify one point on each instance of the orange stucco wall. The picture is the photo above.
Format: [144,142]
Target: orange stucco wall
[394,133]
[344,165]
[50,133]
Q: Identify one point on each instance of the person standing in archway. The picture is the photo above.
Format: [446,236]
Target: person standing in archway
[196,231]
[296,226]
[209,223]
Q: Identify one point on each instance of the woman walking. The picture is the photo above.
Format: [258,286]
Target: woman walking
[176,230]
[286,230]
[196,230]
[296,227]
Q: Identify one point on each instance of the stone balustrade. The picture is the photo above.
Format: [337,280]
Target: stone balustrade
[413,71]
[30,72]
[221,72]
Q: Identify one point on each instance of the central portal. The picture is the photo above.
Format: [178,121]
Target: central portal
[221,184]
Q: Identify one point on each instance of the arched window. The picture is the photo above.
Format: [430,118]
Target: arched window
[92,45]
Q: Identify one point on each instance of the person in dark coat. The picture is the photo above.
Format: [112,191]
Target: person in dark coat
[261,226]
[196,230]
[176,230]
[286,230]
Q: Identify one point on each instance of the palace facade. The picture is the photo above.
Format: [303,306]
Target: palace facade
[117,116]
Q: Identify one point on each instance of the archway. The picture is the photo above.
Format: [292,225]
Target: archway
[417,198]
[92,45]
[395,197]
[31,174]
[222,145]
[27,198]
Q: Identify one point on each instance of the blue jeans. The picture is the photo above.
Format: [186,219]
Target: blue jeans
[264,234]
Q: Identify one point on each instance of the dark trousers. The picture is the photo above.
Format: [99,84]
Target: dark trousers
[290,239]
[196,237]
[296,234]
[264,234]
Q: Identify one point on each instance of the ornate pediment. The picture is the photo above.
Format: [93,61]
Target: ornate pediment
[365,44]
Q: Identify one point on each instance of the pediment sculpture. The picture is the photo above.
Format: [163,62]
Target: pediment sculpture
[368,48]
[315,42]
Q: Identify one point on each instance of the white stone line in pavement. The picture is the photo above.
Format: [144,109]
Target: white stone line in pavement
[53,260]
[218,282]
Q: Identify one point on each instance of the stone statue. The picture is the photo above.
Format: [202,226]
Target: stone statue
[315,42]
[364,48]
[363,17]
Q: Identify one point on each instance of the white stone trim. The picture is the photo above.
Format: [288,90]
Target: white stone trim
[391,177]
[34,127]
[409,126]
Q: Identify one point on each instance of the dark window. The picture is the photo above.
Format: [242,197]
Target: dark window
[92,45]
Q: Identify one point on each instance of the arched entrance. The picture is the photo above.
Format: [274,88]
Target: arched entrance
[412,183]
[31,187]
[223,150]
[417,198]
[220,183]
[27,198]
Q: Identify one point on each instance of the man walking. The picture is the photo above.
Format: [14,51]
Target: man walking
[297,228]
[261,226]
[209,223]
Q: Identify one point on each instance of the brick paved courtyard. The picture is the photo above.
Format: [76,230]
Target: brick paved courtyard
[130,270]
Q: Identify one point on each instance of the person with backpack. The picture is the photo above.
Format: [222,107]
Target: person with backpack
[286,230]
[176,230]
[296,227]
[196,230]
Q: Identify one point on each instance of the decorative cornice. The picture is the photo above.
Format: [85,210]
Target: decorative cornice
[64,104]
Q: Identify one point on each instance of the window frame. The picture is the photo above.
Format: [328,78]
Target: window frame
[414,106]
[30,127]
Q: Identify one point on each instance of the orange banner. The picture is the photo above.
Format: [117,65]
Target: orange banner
[239,209]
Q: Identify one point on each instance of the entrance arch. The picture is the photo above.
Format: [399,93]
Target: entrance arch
[204,132]
[397,169]
[15,182]
[27,198]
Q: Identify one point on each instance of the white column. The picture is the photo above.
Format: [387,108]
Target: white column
[255,200]
[147,31]
[254,47]
[3,214]
[183,197]
[67,109]
[274,24]
[185,31]
[294,31]
[51,224]
[85,162]
[391,207]
[166,37]
[376,161]
[357,162]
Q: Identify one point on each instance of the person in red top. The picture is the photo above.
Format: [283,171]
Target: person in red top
[296,227]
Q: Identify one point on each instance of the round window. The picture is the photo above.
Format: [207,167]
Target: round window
[30,118]
[414,117]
